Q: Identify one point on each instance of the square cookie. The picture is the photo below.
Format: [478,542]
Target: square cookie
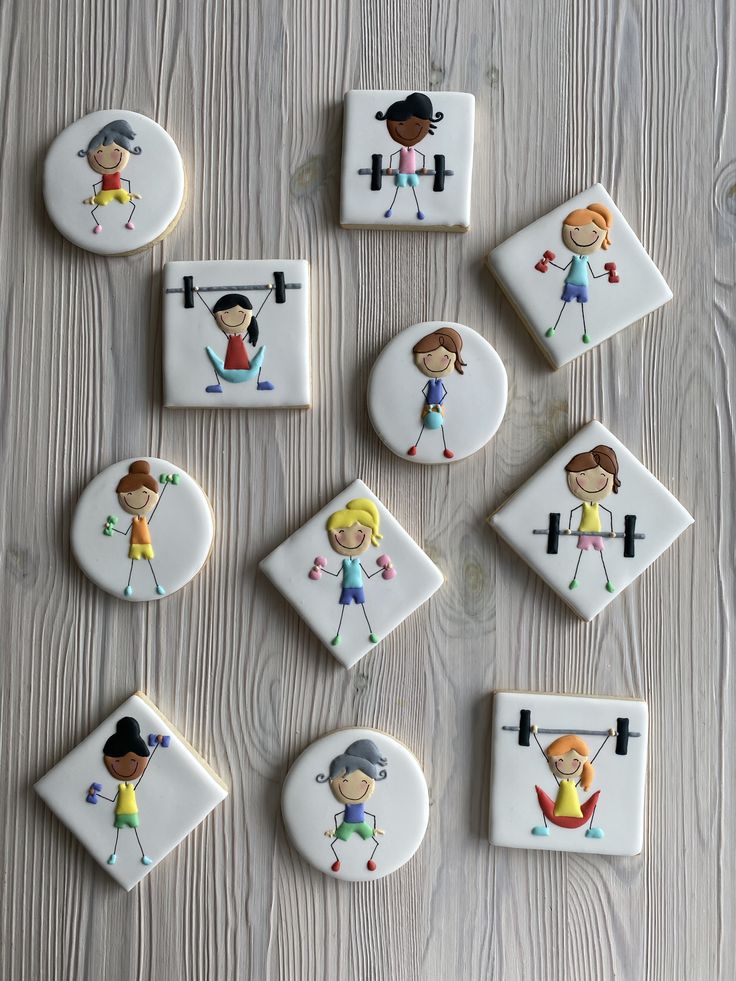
[373,577]
[236,334]
[578,276]
[568,773]
[591,520]
[128,809]
[407,160]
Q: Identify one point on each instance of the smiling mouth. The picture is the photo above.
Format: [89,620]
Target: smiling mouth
[584,245]
[114,167]
[356,798]
[242,321]
[430,368]
[595,490]
[568,773]
[351,548]
[123,776]
[140,506]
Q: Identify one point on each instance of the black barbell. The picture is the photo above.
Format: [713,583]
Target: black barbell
[621,732]
[279,286]
[377,172]
[629,534]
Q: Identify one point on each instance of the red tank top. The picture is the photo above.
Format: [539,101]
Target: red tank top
[111,182]
[236,356]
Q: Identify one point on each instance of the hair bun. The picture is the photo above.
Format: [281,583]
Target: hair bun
[140,466]
[128,726]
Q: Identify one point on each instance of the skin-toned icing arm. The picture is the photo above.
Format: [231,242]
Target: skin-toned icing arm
[569,520]
[610,515]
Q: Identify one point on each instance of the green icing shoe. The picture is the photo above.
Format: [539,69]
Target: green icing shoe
[610,587]
[551,332]
[574,584]
[586,339]
[373,638]
[336,640]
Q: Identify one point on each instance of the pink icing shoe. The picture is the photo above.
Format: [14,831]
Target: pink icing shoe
[97,229]
[130,225]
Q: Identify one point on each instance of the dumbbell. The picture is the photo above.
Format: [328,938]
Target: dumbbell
[92,793]
[279,286]
[316,571]
[543,264]
[613,276]
[157,739]
[377,172]
[629,534]
[621,732]
[110,523]
[170,478]
[389,572]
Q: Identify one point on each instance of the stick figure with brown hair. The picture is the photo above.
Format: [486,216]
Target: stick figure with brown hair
[437,355]
[591,478]
[138,495]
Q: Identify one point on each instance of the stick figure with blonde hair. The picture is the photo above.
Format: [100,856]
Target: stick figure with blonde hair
[351,532]
[584,232]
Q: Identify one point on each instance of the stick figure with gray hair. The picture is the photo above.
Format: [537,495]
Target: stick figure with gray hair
[108,153]
[352,779]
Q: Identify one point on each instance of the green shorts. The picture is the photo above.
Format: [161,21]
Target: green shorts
[127,820]
[348,828]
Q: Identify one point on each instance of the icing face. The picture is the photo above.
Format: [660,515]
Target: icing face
[127,768]
[354,540]
[353,788]
[109,159]
[590,485]
[138,502]
[235,320]
[583,239]
[567,766]
[408,132]
[436,364]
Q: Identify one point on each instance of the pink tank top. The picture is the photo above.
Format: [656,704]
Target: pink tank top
[407,160]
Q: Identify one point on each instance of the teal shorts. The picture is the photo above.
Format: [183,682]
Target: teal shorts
[127,820]
[348,828]
[407,180]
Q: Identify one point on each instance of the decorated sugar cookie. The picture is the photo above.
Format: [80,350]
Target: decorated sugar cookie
[591,520]
[114,182]
[578,276]
[372,577]
[132,790]
[142,529]
[356,804]
[568,773]
[437,392]
[236,334]
[407,160]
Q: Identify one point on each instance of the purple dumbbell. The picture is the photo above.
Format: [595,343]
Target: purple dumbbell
[316,571]
[92,793]
[389,572]
[157,739]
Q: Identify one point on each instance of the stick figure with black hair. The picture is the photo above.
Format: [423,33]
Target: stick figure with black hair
[352,778]
[126,757]
[408,122]
[108,153]
[233,314]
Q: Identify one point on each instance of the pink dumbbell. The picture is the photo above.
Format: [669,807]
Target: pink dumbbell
[316,571]
[388,570]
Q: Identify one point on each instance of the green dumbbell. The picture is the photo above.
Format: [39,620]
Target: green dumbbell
[170,478]
[109,525]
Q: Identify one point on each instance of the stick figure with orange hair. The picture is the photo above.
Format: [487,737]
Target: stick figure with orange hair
[568,757]
[584,232]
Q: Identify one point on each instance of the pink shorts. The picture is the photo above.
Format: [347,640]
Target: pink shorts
[590,541]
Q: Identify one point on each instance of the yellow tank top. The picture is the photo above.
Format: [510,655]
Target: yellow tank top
[591,519]
[567,804]
[126,799]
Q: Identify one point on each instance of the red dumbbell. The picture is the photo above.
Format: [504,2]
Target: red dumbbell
[610,268]
[389,572]
[316,571]
[543,264]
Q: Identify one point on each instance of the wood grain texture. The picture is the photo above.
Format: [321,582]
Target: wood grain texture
[637,95]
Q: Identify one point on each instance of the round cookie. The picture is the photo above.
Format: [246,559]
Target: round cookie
[355,804]
[113,182]
[142,529]
[437,392]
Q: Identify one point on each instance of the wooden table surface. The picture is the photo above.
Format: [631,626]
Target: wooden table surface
[634,94]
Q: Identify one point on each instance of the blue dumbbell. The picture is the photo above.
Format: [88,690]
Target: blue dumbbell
[92,793]
[154,738]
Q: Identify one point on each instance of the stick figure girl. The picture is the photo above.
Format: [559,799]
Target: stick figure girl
[408,122]
[138,496]
[584,232]
[126,757]
[569,760]
[351,532]
[437,355]
[233,314]
[352,778]
[108,154]
[591,478]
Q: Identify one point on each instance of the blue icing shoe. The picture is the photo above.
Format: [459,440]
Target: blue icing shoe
[388,213]
[594,833]
[160,590]
[146,860]
[264,387]
[112,859]
[420,215]
[214,388]
[128,591]
[541,831]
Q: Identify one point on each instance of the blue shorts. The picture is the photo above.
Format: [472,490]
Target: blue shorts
[572,292]
[355,594]
[407,180]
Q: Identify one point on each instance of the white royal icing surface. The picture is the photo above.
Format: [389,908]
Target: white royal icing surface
[283,332]
[516,770]
[537,297]
[157,174]
[181,529]
[400,804]
[177,791]
[474,405]
[364,135]
[660,518]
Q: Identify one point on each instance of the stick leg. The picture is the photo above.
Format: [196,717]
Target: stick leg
[129,223]
[159,588]
[541,830]
[263,386]
[373,637]
[609,585]
[371,864]
[387,214]
[144,858]
[551,331]
[412,451]
[97,227]
[337,638]
[128,591]
[114,856]
[586,338]
[420,213]
[448,453]
[336,863]
[574,581]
